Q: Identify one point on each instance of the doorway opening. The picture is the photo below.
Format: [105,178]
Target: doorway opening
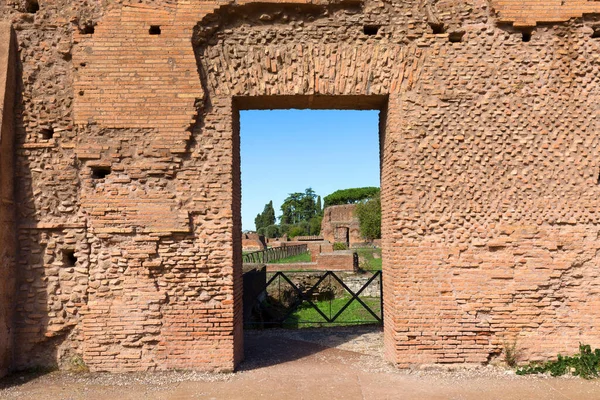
[307,163]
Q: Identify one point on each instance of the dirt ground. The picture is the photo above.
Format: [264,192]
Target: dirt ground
[343,363]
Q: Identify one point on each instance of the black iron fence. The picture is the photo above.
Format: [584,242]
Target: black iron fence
[274,254]
[295,299]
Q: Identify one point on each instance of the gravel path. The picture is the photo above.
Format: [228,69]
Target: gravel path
[337,363]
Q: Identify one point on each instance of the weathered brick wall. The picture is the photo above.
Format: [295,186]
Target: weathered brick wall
[338,261]
[8,246]
[530,12]
[128,190]
[479,148]
[332,261]
[338,219]
[253,242]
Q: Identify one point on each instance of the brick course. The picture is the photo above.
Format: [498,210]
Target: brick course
[128,212]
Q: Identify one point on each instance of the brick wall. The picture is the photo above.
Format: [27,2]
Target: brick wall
[336,261]
[340,224]
[8,90]
[128,184]
[530,12]
[333,261]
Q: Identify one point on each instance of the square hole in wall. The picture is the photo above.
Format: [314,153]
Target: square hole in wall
[100,172]
[47,133]
[437,28]
[456,37]
[154,30]
[32,6]
[371,30]
[87,29]
[68,257]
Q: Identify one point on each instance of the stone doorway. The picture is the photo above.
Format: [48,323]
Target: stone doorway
[342,235]
[287,102]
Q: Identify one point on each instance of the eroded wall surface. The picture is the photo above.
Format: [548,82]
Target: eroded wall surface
[340,224]
[8,246]
[128,189]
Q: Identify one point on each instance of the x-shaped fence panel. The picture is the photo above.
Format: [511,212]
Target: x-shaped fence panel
[304,296]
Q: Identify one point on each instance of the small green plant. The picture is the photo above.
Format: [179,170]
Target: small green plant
[585,364]
[340,246]
[511,353]
[76,364]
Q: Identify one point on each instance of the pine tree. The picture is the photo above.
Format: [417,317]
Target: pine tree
[269,214]
[266,218]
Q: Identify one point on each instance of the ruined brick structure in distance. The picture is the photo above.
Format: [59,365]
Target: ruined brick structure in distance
[120,171]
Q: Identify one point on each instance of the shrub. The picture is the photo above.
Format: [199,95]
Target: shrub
[296,230]
[369,217]
[511,353]
[271,231]
[315,225]
[340,246]
[585,364]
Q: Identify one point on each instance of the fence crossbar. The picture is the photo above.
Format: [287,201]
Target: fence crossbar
[355,296]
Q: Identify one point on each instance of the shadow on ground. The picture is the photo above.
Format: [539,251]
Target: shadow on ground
[19,378]
[269,347]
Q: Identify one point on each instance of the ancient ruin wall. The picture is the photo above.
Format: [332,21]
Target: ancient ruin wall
[128,182]
[8,246]
[338,219]
[488,185]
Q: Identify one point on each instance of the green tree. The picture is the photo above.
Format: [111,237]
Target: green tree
[315,225]
[350,196]
[290,208]
[284,229]
[272,231]
[369,217]
[266,218]
[269,214]
[300,229]
[308,205]
[298,207]
[319,206]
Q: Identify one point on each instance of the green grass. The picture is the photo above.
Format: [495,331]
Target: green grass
[300,258]
[366,259]
[307,317]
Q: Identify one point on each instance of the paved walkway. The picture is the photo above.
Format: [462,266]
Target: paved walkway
[286,365]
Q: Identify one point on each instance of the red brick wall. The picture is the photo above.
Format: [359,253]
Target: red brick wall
[341,217]
[8,90]
[336,261]
[489,173]
[530,12]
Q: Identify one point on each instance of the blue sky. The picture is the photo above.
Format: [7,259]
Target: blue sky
[285,151]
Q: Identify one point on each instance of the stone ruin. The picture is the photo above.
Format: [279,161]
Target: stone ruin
[120,182]
[252,241]
[341,225]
